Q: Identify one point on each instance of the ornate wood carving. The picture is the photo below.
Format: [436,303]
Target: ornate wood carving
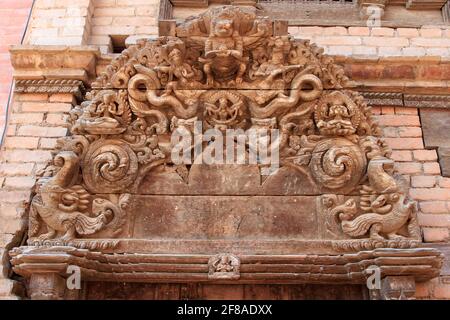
[75,87]
[113,186]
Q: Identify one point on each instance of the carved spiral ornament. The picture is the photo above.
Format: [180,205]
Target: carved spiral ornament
[110,165]
[337,163]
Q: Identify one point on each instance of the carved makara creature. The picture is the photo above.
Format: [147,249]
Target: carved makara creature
[63,206]
[393,214]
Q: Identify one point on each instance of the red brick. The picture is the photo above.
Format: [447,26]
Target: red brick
[398,72]
[376,110]
[433,207]
[410,132]
[423,181]
[11,130]
[434,220]
[390,132]
[38,131]
[14,196]
[21,143]
[435,234]
[430,194]
[425,155]
[19,182]
[444,182]
[387,110]
[32,97]
[408,168]
[46,107]
[27,156]
[63,97]
[361,71]
[402,156]
[26,118]
[56,118]
[405,143]
[16,169]
[442,291]
[398,120]
[431,168]
[405,110]
[423,289]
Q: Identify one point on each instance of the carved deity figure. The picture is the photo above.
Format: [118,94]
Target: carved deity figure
[178,68]
[224,109]
[224,53]
[224,264]
[277,63]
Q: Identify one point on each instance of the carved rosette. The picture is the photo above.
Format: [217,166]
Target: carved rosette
[226,69]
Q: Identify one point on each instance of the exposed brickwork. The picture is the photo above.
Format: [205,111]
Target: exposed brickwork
[13,18]
[401,126]
[60,22]
[427,41]
[36,123]
[122,18]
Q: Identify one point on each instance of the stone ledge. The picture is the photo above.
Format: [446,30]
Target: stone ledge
[54,62]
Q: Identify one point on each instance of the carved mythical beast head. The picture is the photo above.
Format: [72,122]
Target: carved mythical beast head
[222,28]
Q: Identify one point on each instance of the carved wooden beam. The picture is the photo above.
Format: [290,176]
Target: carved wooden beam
[206,3]
[425,4]
[418,264]
[54,62]
[75,87]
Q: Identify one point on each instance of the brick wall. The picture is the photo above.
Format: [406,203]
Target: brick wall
[430,41]
[122,18]
[13,18]
[60,22]
[91,22]
[36,122]
[402,131]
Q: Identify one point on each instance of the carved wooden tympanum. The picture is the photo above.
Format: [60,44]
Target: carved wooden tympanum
[115,203]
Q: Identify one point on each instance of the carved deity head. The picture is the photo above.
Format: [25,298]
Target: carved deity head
[337,114]
[176,57]
[222,28]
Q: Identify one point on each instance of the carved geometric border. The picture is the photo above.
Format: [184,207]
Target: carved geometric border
[75,87]
[407,100]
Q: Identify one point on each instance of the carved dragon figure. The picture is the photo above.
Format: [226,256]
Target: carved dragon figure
[62,206]
[396,211]
[388,209]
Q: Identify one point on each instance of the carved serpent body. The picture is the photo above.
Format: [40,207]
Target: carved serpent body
[296,94]
[149,79]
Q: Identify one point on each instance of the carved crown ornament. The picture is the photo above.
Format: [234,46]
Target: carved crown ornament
[113,186]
